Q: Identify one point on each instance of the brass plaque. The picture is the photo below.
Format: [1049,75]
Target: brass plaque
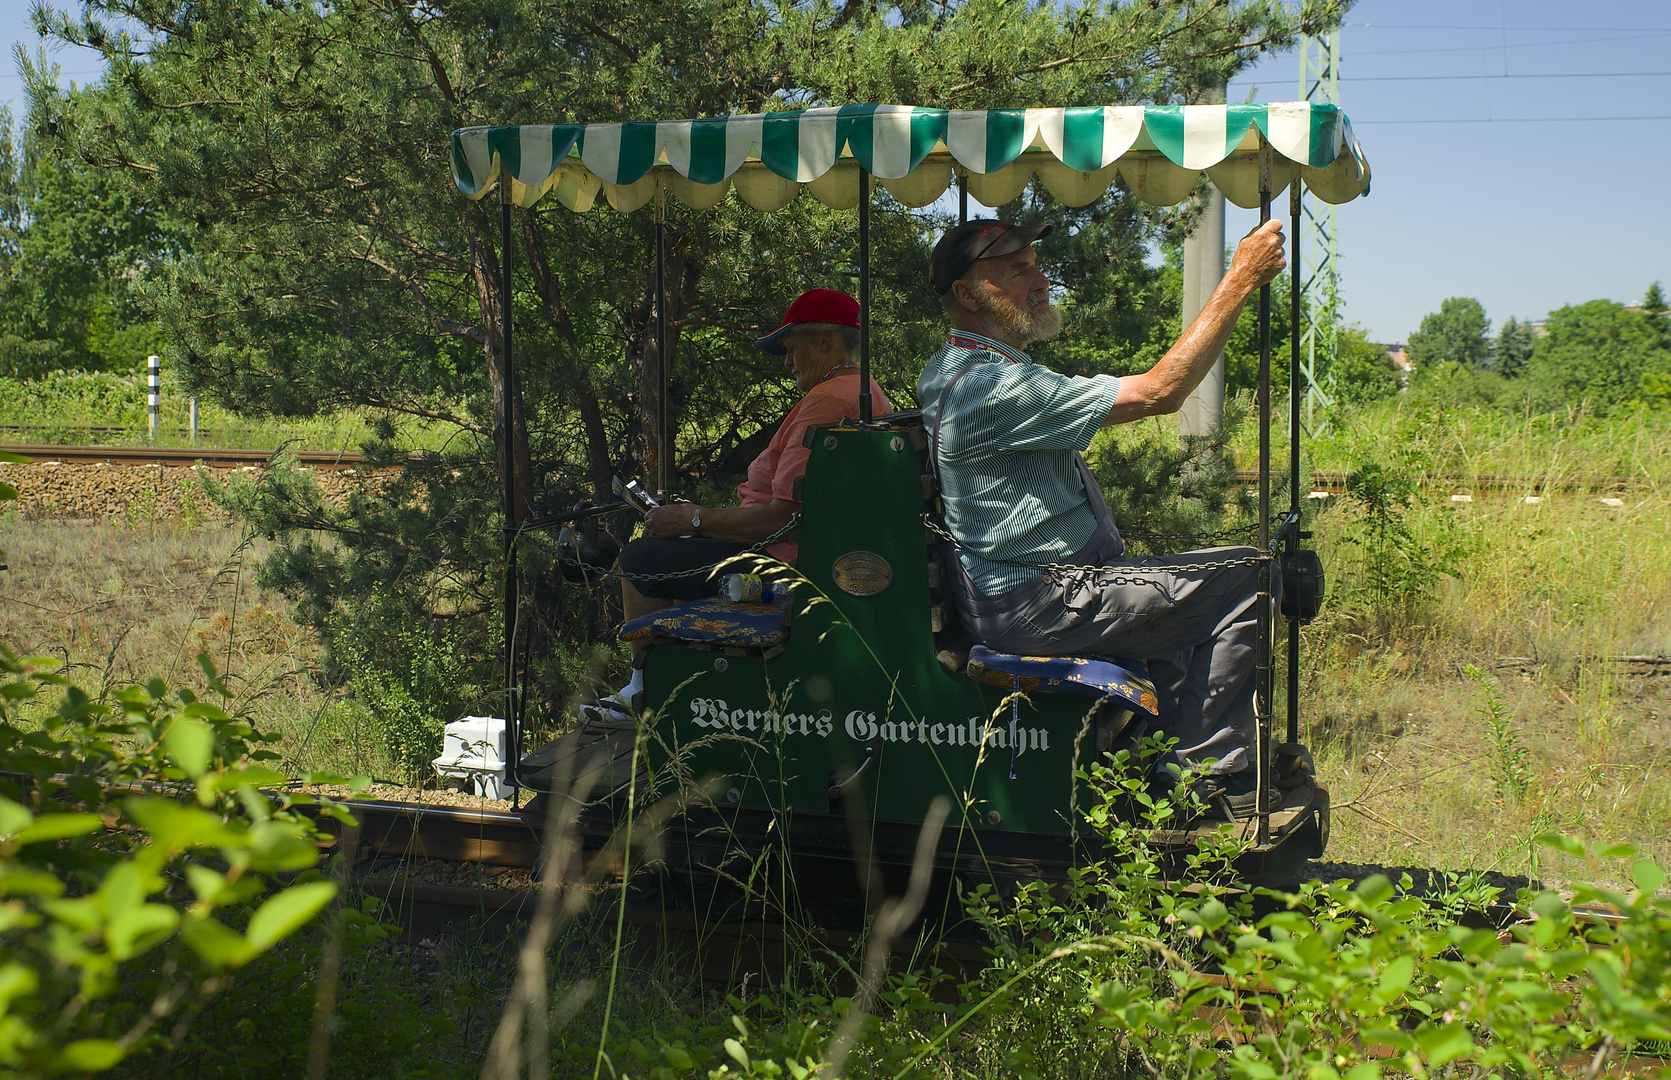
[862,573]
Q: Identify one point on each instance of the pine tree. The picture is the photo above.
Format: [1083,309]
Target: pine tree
[1659,316]
[1513,349]
[333,264]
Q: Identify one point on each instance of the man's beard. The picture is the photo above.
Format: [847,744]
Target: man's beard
[1040,325]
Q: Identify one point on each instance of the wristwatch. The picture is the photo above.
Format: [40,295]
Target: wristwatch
[696,521]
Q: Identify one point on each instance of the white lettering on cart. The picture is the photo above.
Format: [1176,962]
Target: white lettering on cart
[860,725]
[716,714]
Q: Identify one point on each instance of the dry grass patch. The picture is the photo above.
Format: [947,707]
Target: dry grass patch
[119,605]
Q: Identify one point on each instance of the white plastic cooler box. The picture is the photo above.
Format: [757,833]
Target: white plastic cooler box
[473,756]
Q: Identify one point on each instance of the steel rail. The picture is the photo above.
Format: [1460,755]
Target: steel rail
[1331,481]
[182,456]
[502,838]
[1334,482]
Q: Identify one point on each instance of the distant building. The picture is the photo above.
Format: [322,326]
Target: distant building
[1400,360]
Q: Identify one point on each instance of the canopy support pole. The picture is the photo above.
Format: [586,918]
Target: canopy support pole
[1294,394]
[962,199]
[864,296]
[1264,681]
[513,710]
[664,438]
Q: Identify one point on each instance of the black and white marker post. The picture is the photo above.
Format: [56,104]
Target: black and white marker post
[153,366]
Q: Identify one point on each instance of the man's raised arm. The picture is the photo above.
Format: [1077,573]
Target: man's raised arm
[1163,388]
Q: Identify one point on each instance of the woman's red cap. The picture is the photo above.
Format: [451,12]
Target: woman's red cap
[812,306]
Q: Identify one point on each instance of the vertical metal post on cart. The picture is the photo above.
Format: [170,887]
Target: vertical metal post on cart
[1294,439]
[664,456]
[864,296]
[513,733]
[1263,689]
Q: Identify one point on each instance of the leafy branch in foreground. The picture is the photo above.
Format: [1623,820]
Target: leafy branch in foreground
[136,845]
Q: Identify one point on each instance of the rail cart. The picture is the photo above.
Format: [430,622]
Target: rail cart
[820,737]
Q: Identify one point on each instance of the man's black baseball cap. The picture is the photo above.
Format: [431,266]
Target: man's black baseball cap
[972,241]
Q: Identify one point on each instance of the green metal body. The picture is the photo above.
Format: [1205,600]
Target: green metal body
[860,670]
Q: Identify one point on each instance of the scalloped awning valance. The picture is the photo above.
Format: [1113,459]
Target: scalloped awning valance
[1159,150]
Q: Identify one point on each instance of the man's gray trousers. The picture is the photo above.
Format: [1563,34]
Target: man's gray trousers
[1198,630]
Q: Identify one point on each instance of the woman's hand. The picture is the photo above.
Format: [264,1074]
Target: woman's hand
[671,521]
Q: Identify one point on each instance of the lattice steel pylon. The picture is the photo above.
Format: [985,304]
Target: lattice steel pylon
[1319,249]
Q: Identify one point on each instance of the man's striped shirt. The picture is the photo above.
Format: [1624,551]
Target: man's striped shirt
[1006,448]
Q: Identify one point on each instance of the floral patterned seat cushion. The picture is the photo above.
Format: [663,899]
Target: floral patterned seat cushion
[1088,675]
[712,621]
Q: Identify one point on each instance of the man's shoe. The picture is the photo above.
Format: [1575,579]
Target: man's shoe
[608,713]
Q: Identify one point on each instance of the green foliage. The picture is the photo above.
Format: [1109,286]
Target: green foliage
[1364,982]
[389,1022]
[1511,762]
[75,247]
[109,407]
[333,264]
[1453,334]
[1511,353]
[1658,312]
[410,679]
[106,397]
[1135,968]
[134,840]
[1400,569]
[396,581]
[1167,497]
[1241,352]
[176,883]
[1598,353]
[1363,372]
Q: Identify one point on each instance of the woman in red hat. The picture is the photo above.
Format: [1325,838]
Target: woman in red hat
[819,342]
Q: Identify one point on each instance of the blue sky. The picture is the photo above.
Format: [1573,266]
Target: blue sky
[1505,165]
[1502,167]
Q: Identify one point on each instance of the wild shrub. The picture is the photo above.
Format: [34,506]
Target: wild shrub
[408,680]
[1170,497]
[140,865]
[1132,968]
[1399,570]
[1511,762]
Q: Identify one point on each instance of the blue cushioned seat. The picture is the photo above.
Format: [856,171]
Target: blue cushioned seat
[713,621]
[1090,676]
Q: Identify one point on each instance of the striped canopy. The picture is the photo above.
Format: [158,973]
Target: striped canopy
[1160,151]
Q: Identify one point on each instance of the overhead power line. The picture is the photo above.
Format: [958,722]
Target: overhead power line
[1494,46]
[1512,29]
[1546,75]
[1356,122]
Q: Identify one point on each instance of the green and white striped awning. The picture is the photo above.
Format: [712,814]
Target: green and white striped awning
[913,152]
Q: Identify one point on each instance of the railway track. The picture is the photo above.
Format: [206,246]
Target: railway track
[411,857]
[1323,481]
[178,457]
[434,865]
[1333,482]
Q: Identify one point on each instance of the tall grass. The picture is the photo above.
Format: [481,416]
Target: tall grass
[1431,440]
[68,408]
[1544,589]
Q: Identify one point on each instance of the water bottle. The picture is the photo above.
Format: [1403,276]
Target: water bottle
[747,589]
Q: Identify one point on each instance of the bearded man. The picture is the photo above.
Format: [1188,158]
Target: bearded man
[1007,436]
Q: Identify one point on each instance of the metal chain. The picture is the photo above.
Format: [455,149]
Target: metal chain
[757,548]
[1107,575]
